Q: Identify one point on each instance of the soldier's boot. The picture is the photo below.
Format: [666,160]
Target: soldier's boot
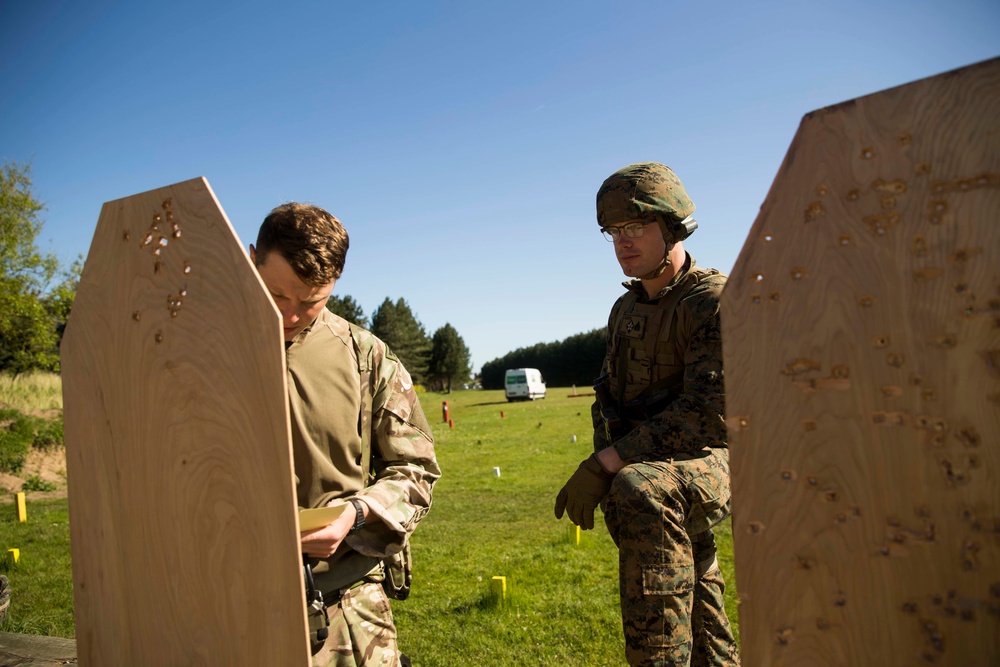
[714,644]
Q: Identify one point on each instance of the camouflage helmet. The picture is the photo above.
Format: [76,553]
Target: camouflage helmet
[643,190]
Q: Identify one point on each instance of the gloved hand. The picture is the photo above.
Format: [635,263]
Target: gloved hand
[584,492]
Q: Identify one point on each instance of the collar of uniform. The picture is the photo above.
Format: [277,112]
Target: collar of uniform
[326,319]
[635,285]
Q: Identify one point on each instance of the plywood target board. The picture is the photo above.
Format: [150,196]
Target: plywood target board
[861,331]
[183,528]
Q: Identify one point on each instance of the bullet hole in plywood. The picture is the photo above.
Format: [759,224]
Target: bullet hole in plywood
[758,277]
[775,296]
[928,394]
[853,195]
[919,246]
[755,527]
[187,268]
[867,301]
[784,636]
[909,607]
[809,425]
[968,436]
[892,391]
[867,153]
[840,371]
[126,235]
[801,365]
[881,341]
[788,475]
[812,480]
[813,212]
[895,359]
[158,337]
[922,168]
[799,272]
[963,255]
[881,223]
[755,298]
[904,138]
[895,187]
[157,266]
[845,240]
[840,599]
[822,190]
[945,341]
[136,316]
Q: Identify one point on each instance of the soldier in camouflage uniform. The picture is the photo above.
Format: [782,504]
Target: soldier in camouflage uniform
[660,470]
[338,413]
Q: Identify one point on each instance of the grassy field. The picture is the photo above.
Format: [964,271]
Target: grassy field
[562,597]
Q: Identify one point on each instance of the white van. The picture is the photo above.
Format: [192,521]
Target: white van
[524,384]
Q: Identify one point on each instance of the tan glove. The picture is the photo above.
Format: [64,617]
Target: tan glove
[584,492]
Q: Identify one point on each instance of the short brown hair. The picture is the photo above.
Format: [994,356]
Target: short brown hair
[311,240]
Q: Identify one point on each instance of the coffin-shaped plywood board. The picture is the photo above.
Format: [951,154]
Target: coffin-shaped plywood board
[862,352]
[183,528]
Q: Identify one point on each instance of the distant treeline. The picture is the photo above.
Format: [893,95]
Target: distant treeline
[574,361]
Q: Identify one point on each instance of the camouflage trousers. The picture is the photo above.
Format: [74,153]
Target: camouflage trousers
[660,515]
[362,633]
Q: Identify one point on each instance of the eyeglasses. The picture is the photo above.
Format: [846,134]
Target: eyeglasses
[633,230]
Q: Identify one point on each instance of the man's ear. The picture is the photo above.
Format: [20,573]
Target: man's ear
[253,255]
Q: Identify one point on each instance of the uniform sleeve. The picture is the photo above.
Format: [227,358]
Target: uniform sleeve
[696,418]
[403,462]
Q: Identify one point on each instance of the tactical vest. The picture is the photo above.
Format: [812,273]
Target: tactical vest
[646,353]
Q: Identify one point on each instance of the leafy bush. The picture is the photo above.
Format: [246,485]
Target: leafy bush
[36,483]
[16,436]
[20,432]
[48,433]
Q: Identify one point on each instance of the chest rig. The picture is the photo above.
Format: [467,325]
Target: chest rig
[647,349]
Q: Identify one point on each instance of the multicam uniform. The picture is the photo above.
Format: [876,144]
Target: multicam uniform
[663,414]
[325,390]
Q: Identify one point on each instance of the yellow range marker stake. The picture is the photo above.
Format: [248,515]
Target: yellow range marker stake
[22,510]
[499,586]
[13,556]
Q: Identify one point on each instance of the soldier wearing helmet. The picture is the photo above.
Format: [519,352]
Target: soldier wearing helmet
[660,468]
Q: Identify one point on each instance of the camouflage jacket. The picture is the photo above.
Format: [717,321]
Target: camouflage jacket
[672,359]
[325,389]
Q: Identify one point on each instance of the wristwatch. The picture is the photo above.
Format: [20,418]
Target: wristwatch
[359,517]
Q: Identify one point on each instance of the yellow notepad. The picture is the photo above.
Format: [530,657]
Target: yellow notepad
[320,516]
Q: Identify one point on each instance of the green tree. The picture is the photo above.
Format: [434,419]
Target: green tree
[29,315]
[450,358]
[348,308]
[396,324]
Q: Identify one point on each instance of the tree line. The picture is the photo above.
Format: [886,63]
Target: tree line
[438,361]
[575,361]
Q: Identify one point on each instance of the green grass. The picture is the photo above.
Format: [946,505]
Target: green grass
[562,605]
[42,581]
[562,599]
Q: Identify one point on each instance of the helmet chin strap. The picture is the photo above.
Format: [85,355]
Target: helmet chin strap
[658,271]
[665,262]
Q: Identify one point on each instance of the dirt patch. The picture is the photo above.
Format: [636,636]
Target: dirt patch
[49,465]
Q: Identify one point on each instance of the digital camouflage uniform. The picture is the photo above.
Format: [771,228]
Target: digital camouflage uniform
[661,506]
[664,414]
[325,393]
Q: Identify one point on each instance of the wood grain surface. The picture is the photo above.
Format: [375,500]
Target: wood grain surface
[862,350]
[183,527]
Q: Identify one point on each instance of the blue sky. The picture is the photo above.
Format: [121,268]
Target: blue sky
[461,143]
